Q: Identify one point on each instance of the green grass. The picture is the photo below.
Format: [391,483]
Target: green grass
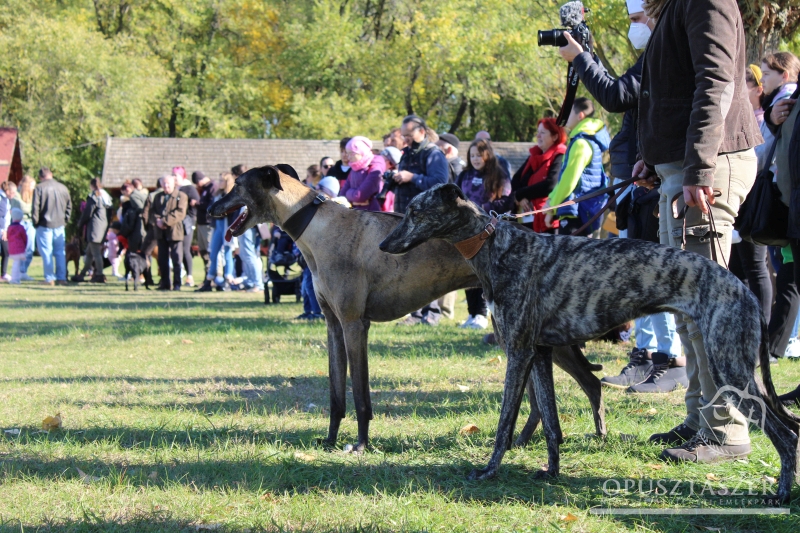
[194,411]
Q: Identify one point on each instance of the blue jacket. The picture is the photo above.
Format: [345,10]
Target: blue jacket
[429,166]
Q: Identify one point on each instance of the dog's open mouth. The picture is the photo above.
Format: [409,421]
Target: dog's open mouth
[237,224]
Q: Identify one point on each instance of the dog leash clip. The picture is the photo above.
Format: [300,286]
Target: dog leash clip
[320,198]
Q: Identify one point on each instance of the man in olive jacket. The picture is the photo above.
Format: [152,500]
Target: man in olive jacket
[696,133]
[168,209]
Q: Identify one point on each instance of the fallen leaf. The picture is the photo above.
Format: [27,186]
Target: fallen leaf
[569,518]
[463,388]
[52,422]
[86,478]
[763,463]
[267,497]
[652,411]
[305,457]
[168,342]
[153,476]
[320,372]
[17,338]
[712,477]
[656,467]
[497,359]
[712,528]
[11,432]
[769,479]
[469,429]
[187,341]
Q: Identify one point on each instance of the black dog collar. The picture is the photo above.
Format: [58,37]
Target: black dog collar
[296,224]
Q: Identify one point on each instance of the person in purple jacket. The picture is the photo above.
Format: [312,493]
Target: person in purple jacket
[486,184]
[366,177]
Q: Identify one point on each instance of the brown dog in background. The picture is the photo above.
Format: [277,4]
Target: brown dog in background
[73,252]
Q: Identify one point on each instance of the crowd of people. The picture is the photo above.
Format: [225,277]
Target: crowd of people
[713,176]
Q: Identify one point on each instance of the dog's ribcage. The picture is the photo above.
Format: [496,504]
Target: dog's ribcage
[579,288]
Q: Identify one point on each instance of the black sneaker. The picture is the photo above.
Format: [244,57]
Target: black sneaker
[665,377]
[205,287]
[699,449]
[635,372]
[677,435]
[791,399]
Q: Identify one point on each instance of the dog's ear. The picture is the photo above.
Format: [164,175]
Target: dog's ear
[451,193]
[288,170]
[269,175]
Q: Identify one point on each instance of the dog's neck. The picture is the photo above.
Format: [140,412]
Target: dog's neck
[470,222]
[290,200]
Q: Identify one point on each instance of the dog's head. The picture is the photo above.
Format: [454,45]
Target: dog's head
[442,212]
[254,190]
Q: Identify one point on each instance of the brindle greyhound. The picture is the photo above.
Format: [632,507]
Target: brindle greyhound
[357,284]
[549,291]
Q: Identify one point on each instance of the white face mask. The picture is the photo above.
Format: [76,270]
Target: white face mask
[639,34]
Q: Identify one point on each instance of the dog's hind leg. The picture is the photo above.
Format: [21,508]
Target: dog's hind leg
[517,371]
[337,374]
[355,340]
[542,375]
[572,361]
[533,418]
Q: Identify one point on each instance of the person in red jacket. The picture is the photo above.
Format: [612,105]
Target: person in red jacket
[536,179]
[17,243]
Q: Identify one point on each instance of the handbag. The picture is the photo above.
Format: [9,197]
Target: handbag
[763,218]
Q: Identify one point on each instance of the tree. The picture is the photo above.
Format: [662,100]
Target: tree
[766,23]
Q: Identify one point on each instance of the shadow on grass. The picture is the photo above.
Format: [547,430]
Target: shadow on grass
[282,473]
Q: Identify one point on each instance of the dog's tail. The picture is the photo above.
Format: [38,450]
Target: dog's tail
[580,357]
[766,376]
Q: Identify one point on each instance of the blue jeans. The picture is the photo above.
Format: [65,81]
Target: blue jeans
[657,334]
[31,232]
[217,245]
[249,244]
[310,303]
[51,242]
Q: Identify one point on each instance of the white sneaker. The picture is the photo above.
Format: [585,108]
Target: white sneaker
[479,322]
[467,323]
[7,277]
[25,277]
[793,348]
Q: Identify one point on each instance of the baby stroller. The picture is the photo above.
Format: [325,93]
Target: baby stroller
[284,273]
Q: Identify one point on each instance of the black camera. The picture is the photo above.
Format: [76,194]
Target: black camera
[388,184]
[571,15]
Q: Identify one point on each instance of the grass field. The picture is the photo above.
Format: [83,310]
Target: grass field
[193,412]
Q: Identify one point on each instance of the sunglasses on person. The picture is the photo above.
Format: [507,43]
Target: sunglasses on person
[327,166]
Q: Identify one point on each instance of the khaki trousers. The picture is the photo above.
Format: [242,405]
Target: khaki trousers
[734,178]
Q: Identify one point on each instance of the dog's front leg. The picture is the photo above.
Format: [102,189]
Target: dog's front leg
[542,376]
[517,371]
[337,374]
[355,340]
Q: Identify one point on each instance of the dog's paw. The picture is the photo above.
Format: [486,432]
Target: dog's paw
[481,474]
[355,449]
[545,473]
[326,444]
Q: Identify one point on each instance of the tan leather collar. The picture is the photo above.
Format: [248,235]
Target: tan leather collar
[469,248]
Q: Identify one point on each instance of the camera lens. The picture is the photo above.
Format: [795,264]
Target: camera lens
[552,38]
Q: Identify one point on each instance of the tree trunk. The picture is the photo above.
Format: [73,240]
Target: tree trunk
[765,23]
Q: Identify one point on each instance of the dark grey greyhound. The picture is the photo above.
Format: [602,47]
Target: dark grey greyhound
[357,284]
[555,290]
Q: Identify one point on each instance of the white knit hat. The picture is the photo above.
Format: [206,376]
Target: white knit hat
[330,183]
[16,214]
[635,6]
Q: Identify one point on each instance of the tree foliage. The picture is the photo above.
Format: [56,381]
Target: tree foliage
[75,71]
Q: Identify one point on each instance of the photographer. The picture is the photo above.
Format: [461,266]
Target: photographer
[422,166]
[655,335]
[696,135]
